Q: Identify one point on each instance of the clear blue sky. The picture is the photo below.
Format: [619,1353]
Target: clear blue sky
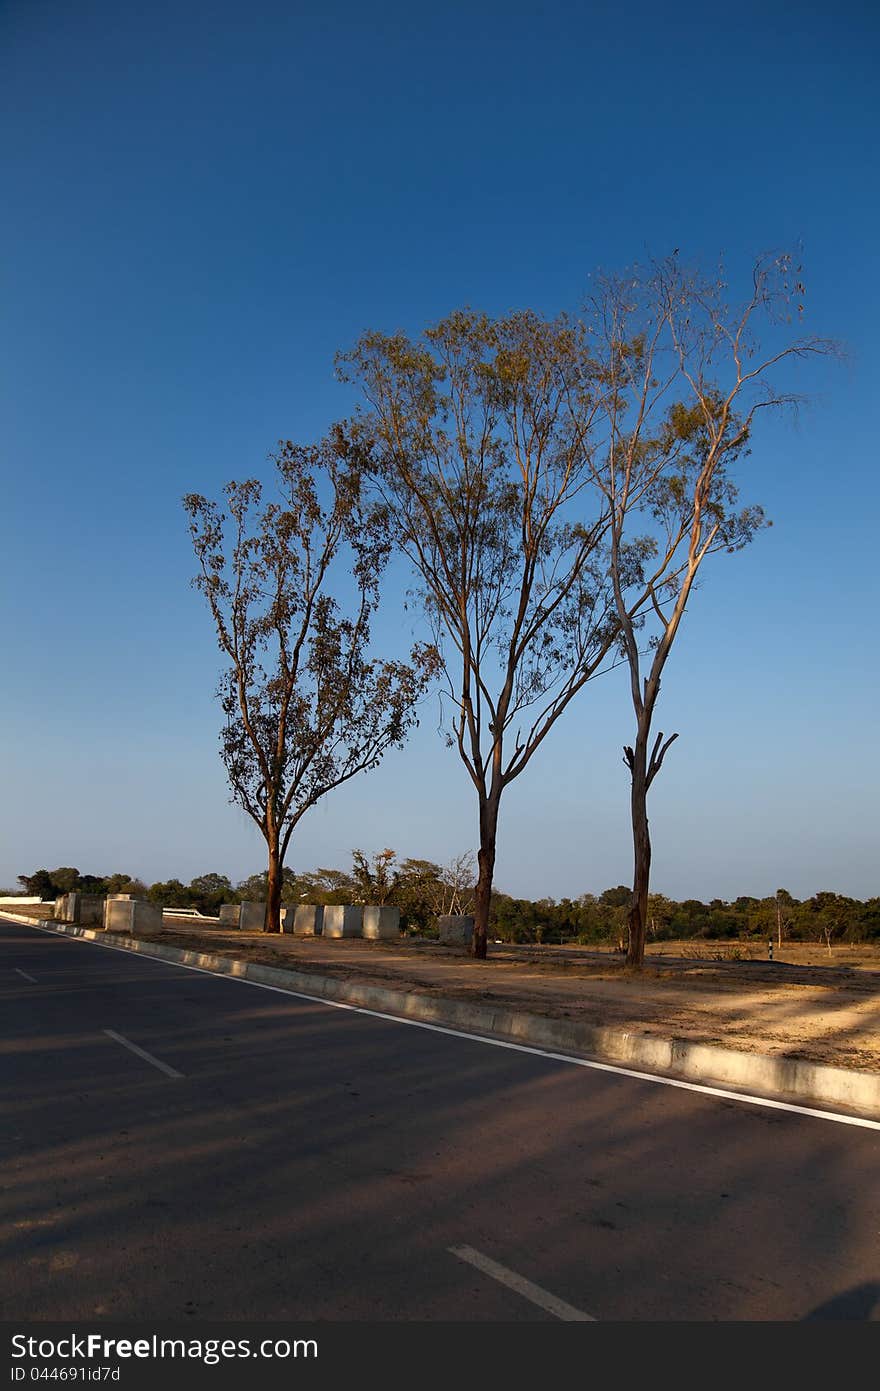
[203,202]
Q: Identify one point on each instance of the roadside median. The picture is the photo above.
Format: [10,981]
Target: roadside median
[774,1076]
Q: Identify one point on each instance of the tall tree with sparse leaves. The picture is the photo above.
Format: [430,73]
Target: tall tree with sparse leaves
[292,586]
[480,440]
[684,383]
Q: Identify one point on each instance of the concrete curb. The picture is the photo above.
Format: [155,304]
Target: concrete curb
[780,1078]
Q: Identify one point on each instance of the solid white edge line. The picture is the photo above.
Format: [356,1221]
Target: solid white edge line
[703,1089]
[142,1053]
[27,976]
[534,1293]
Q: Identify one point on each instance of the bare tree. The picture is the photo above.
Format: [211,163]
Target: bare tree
[685,381]
[784,904]
[456,885]
[305,706]
[479,436]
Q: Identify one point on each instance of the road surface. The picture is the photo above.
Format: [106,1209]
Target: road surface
[176,1145]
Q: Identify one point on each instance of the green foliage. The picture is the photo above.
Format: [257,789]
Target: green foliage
[66,880]
[40,882]
[91,884]
[255,888]
[826,917]
[170,893]
[125,884]
[210,884]
[378,881]
[418,889]
[616,898]
[52,883]
[208,891]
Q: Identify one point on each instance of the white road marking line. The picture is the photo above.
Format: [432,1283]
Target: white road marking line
[19,971]
[142,1053]
[747,1098]
[534,1293]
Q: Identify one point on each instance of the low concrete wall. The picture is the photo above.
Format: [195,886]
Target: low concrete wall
[91,909]
[308,920]
[230,914]
[80,908]
[343,920]
[127,914]
[456,930]
[35,911]
[252,917]
[381,923]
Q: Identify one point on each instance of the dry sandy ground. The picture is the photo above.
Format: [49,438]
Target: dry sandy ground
[797,1005]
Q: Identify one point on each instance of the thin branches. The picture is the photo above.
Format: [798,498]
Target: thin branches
[306,708]
[683,380]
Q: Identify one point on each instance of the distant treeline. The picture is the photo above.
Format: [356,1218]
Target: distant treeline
[826,917]
[423,890]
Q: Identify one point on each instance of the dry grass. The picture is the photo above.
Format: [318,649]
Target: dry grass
[850,955]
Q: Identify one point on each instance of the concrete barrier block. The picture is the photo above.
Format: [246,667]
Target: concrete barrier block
[308,920]
[252,917]
[230,914]
[382,923]
[145,915]
[456,929]
[91,909]
[127,914]
[343,920]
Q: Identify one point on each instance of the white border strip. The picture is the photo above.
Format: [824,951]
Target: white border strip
[534,1293]
[142,1053]
[861,1122]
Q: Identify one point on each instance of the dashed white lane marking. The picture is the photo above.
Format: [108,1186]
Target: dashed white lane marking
[534,1293]
[20,972]
[142,1053]
[702,1089]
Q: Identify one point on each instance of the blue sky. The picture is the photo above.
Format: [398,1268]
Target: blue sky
[204,202]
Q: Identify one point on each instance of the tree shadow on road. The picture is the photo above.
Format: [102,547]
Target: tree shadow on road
[856,1304]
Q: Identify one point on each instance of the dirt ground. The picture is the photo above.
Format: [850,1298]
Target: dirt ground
[803,1003]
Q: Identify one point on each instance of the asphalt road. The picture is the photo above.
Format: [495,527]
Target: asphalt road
[274,1158]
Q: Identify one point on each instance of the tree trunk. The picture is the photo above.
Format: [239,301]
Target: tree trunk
[778,922]
[486,863]
[273,890]
[638,913]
